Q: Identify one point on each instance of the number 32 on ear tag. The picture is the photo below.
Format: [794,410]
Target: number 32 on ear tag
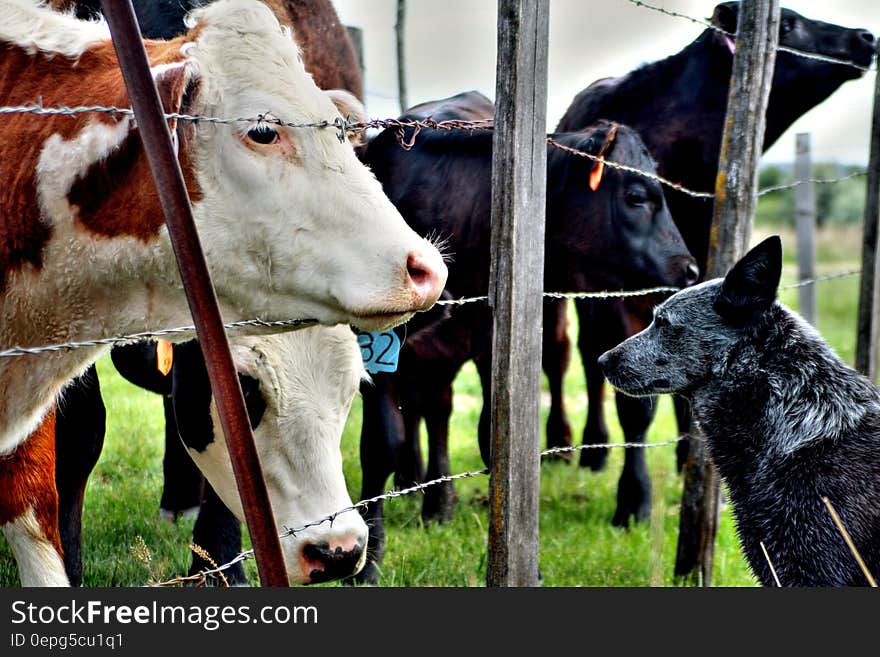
[380,351]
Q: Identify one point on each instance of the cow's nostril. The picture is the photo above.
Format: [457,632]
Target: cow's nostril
[427,279]
[867,37]
[692,273]
[323,563]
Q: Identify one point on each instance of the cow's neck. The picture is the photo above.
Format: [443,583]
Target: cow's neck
[67,302]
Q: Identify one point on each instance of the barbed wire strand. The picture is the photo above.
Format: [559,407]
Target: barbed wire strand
[344,127]
[820,181]
[293,324]
[711,26]
[202,575]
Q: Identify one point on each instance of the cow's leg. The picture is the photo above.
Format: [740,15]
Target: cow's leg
[440,499]
[483,363]
[556,354]
[590,342]
[634,487]
[683,418]
[182,480]
[79,437]
[381,435]
[218,532]
[29,508]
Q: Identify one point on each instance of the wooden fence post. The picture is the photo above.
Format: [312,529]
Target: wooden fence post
[805,223]
[736,194]
[519,170]
[356,35]
[400,40]
[869,294]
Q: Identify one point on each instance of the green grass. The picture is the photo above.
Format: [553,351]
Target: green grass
[579,546]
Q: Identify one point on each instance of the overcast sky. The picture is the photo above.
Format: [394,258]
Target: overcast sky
[451,48]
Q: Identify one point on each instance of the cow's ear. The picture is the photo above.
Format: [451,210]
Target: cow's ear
[750,286]
[174,83]
[352,110]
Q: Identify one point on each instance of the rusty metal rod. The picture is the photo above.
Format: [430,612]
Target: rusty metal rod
[200,295]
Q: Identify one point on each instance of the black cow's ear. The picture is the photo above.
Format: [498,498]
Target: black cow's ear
[750,286]
[725,16]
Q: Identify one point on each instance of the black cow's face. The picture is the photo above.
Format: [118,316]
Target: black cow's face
[800,83]
[803,34]
[620,235]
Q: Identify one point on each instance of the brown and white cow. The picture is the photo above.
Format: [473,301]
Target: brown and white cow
[292,225]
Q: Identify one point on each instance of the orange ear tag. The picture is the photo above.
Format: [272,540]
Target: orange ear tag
[164,356]
[596,174]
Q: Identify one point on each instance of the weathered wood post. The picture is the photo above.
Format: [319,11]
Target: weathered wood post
[736,194]
[199,290]
[519,170]
[356,35]
[869,294]
[805,224]
[400,40]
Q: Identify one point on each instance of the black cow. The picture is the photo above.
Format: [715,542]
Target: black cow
[678,105]
[619,236]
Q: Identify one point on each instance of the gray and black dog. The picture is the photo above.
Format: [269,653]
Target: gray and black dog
[786,421]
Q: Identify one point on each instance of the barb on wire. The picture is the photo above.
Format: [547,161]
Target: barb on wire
[820,181]
[202,575]
[711,26]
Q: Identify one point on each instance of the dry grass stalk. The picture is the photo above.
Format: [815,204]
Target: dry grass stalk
[852,547]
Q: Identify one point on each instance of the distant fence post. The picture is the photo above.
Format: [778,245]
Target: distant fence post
[736,194]
[356,35]
[869,293]
[805,222]
[400,41]
[519,170]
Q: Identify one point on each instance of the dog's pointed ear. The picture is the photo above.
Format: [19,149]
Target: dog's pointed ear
[750,286]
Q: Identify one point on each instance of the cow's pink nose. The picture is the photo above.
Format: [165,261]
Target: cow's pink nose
[427,278]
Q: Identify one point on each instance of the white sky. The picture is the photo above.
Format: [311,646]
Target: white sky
[451,48]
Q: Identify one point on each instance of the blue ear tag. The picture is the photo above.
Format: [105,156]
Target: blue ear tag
[380,351]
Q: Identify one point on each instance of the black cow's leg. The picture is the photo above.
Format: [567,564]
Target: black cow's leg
[182,480]
[79,437]
[589,344]
[556,354]
[484,369]
[440,499]
[381,436]
[634,487]
[683,418]
[218,532]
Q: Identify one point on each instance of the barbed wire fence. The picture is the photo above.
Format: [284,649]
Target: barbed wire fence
[343,128]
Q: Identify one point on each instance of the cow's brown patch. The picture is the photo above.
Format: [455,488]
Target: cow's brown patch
[27,481]
[112,203]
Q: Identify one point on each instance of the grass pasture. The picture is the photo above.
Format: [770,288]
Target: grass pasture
[126,544]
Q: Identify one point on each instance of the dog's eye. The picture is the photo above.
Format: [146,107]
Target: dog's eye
[660,321]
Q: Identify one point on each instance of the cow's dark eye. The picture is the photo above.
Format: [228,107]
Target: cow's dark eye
[263,134]
[786,26]
[636,196]
[660,322]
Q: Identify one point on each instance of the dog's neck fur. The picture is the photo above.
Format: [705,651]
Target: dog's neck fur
[780,406]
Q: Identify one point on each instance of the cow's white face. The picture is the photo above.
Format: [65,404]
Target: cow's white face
[306,381]
[292,224]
